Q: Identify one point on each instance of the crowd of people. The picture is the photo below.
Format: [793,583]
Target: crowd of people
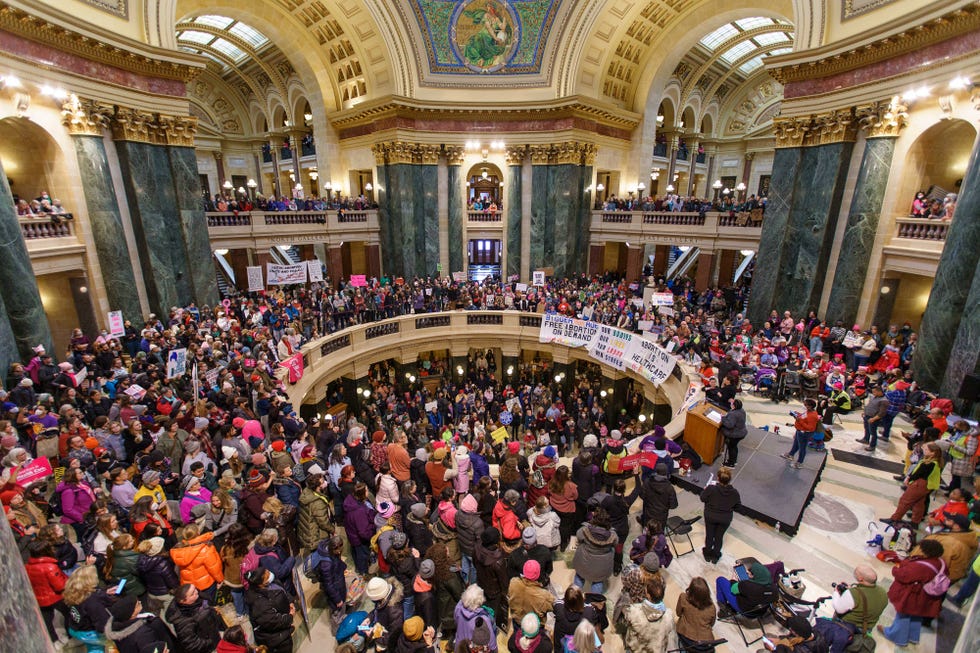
[188,509]
[243,203]
[726,203]
[42,206]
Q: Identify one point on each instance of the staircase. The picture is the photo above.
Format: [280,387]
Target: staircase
[479,272]
[288,255]
[225,285]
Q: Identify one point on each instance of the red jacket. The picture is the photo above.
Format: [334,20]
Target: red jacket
[47,580]
[505,521]
[906,593]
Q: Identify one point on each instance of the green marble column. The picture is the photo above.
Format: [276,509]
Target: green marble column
[427,219]
[811,227]
[515,219]
[782,189]
[559,210]
[542,218]
[23,628]
[193,226]
[948,301]
[964,357]
[105,221]
[457,208]
[18,287]
[153,206]
[410,218]
[862,225]
[391,256]
[8,345]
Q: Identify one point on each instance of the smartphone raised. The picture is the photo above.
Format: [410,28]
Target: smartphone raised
[120,586]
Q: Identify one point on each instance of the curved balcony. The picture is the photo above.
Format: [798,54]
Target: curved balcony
[265,229]
[53,247]
[712,231]
[351,352]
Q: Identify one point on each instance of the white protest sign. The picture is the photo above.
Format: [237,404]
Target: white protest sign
[521,287]
[254,274]
[176,363]
[117,326]
[431,406]
[566,331]
[662,299]
[649,360]
[537,278]
[315,270]
[610,346]
[644,325]
[284,275]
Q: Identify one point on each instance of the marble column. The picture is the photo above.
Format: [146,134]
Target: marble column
[219,161]
[772,242]
[457,209]
[559,208]
[23,628]
[859,235]
[372,253]
[693,157]
[275,147]
[660,256]
[711,152]
[964,357]
[335,265]
[944,321]
[596,259]
[18,286]
[199,268]
[542,226]
[673,141]
[747,174]
[105,221]
[238,260]
[811,227]
[706,263]
[8,343]
[514,208]
[634,263]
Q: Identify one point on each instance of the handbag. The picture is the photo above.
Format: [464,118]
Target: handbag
[861,642]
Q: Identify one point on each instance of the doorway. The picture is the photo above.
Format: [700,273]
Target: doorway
[483,187]
[484,259]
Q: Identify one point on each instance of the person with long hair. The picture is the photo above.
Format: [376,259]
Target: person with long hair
[235,641]
[696,613]
[146,511]
[88,606]
[570,611]
[562,496]
[76,498]
[220,516]
[237,542]
[122,563]
[650,624]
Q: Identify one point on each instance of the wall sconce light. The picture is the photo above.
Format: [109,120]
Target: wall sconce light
[368,187]
[227,185]
[670,188]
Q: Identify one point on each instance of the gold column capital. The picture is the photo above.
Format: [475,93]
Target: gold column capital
[380,150]
[401,152]
[427,154]
[516,154]
[837,126]
[134,125]
[790,132]
[540,154]
[177,130]
[589,152]
[882,119]
[455,155]
[85,117]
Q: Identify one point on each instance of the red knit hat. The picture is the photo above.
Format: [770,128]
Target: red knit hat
[8,495]
[279,445]
[255,478]
[513,447]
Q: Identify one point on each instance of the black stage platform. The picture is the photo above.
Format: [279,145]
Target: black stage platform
[770,489]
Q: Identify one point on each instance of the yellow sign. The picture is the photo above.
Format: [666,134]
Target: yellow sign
[500,435]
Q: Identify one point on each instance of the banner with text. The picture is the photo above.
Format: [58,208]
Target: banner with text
[117,326]
[662,299]
[285,275]
[358,280]
[294,367]
[650,361]
[610,346]
[315,270]
[567,331]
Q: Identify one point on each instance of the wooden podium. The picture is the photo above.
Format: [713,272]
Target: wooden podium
[703,433]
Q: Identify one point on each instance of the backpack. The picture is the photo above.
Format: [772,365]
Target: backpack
[613,462]
[54,504]
[537,479]
[939,584]
[250,563]
[311,566]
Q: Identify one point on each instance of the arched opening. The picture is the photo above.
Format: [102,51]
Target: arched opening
[665,121]
[937,160]
[707,126]
[484,185]
[37,174]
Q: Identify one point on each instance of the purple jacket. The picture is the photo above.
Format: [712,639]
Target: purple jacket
[466,623]
[75,502]
[358,521]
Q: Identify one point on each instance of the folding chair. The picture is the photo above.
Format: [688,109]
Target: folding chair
[699,647]
[680,526]
[753,617]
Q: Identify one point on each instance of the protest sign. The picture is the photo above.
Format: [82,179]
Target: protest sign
[500,435]
[294,367]
[537,278]
[650,360]
[284,275]
[117,326]
[37,469]
[662,299]
[315,270]
[358,280]
[254,274]
[566,331]
[176,363]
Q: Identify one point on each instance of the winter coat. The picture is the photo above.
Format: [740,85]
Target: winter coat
[390,613]
[358,521]
[426,605]
[527,596]
[197,628]
[268,609]
[505,520]
[387,490]
[649,629]
[720,502]
[76,499]
[733,424]
[136,635]
[469,527]
[92,613]
[47,580]
[564,502]
[199,562]
[480,466]
[906,592]
[567,621]
[419,534]
[158,574]
[545,527]
[594,556]
[659,498]
[695,623]
[288,491]
[959,549]
[491,570]
[125,564]
[314,523]
[191,500]
[250,507]
[275,559]
[466,623]
[461,483]
[332,580]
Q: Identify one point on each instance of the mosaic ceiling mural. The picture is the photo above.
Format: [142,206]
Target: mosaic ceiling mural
[485,37]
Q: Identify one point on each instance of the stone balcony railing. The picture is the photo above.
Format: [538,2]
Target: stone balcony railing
[263,229]
[921,229]
[484,216]
[350,352]
[712,230]
[37,228]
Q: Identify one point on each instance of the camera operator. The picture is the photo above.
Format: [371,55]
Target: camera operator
[858,605]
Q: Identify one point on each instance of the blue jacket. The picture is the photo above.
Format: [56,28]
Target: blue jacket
[332,580]
[480,466]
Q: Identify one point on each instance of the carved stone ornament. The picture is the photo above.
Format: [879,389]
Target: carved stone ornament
[540,154]
[790,132]
[134,125]
[835,126]
[177,130]
[85,117]
[379,150]
[455,155]
[882,119]
[515,155]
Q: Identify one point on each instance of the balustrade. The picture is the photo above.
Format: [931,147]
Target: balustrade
[922,229]
[296,217]
[674,218]
[379,330]
[335,344]
[229,219]
[484,216]
[352,216]
[478,319]
[430,322]
[35,228]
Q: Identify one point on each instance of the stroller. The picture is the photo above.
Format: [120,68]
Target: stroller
[789,599]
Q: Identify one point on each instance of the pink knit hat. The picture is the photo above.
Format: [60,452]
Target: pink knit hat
[469,504]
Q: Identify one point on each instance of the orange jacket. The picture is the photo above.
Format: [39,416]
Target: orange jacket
[199,562]
[808,421]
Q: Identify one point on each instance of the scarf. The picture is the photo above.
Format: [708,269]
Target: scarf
[525,645]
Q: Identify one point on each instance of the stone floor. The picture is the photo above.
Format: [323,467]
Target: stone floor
[830,542]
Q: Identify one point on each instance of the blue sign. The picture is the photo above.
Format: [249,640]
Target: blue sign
[506,418]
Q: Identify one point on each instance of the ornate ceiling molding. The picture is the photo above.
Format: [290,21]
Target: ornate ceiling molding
[855,53]
[39,30]
[115,7]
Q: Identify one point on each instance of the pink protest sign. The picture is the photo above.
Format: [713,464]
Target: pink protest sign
[35,470]
[358,280]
